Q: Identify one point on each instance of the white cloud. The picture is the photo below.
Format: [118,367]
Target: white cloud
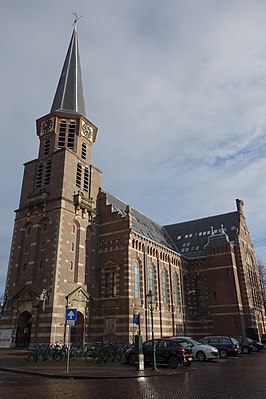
[177,89]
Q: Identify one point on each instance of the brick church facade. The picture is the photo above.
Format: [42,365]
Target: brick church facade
[76,246]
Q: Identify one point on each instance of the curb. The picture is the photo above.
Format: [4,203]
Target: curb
[84,377]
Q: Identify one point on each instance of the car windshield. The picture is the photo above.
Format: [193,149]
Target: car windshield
[194,342]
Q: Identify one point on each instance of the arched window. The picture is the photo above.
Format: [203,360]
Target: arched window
[175,289]
[48,172]
[78,175]
[62,134]
[151,282]
[164,287]
[200,292]
[39,175]
[28,231]
[86,179]
[83,150]
[71,135]
[136,277]
[46,147]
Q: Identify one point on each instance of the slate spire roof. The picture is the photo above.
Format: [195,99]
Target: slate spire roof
[69,93]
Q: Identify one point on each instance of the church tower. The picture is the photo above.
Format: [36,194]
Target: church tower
[47,271]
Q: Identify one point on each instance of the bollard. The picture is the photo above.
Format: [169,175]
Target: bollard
[140,364]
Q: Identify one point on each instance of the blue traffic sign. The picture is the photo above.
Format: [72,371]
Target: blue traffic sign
[71,314]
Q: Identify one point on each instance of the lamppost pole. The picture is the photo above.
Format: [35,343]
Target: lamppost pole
[150,299]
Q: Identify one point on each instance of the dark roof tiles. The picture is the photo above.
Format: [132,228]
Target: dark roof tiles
[69,93]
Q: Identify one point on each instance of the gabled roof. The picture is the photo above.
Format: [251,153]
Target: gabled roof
[192,236]
[141,224]
[69,93]
[188,238]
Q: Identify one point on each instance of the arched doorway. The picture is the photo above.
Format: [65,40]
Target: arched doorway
[23,330]
[77,330]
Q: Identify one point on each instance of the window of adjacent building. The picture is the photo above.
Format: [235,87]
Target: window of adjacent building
[71,135]
[71,265]
[46,147]
[48,172]
[164,286]
[24,267]
[72,247]
[44,227]
[136,279]
[39,175]
[151,280]
[26,249]
[175,289]
[78,175]
[62,134]
[41,265]
[86,179]
[110,284]
[84,150]
[28,231]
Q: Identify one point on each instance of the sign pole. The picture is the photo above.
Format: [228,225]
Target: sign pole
[68,349]
[71,318]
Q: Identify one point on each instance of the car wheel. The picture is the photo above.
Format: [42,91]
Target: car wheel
[245,350]
[89,356]
[223,353]
[256,349]
[132,359]
[173,362]
[201,357]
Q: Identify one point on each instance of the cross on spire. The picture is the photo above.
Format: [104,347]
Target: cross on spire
[77,17]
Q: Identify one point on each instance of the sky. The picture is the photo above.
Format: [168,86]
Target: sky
[177,89]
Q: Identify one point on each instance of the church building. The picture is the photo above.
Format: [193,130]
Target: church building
[76,246]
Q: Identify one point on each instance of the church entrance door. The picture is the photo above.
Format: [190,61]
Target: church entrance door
[23,330]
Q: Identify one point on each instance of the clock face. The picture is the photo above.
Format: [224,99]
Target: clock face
[87,132]
[46,126]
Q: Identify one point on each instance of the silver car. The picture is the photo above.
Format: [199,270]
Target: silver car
[200,351]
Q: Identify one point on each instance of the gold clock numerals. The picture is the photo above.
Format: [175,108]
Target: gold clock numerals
[87,132]
[47,125]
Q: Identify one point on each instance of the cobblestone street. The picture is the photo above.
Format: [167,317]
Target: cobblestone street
[232,378]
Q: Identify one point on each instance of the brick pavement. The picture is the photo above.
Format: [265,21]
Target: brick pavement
[15,360]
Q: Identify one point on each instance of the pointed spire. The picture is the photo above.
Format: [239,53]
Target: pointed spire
[69,93]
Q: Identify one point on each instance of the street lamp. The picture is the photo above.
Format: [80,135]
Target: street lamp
[150,300]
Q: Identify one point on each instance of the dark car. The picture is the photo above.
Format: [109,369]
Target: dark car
[246,345]
[168,351]
[258,346]
[227,346]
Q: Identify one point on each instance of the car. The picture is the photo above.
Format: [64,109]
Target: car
[169,351]
[246,345]
[201,351]
[227,346]
[257,345]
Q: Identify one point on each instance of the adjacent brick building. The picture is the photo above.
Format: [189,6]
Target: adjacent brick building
[76,246]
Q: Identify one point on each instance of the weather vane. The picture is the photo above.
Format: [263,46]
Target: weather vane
[77,17]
